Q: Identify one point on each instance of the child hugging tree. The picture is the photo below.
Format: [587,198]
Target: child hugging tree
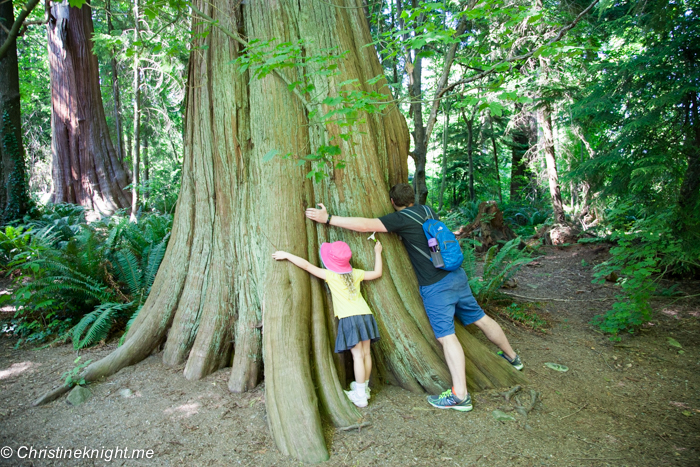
[356,326]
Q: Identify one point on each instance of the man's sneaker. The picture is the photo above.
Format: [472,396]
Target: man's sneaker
[367,389]
[448,400]
[517,364]
[359,400]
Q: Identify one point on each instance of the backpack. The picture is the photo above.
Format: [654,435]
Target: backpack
[447,242]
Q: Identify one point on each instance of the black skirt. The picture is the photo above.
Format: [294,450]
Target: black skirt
[355,329]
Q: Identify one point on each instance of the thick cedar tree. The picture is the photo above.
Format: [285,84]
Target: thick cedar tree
[86,168]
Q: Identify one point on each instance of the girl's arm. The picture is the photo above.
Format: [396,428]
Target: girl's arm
[301,263]
[377,273]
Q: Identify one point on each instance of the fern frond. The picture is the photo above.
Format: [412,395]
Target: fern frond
[100,322]
[129,270]
[155,257]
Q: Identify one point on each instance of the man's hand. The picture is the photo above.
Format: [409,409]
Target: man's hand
[317,215]
[378,248]
[280,255]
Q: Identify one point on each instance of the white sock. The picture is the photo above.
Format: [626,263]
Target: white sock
[360,388]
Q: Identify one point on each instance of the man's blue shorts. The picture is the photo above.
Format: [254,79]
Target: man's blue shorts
[448,297]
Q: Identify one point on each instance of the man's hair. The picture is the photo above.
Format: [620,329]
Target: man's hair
[402,194]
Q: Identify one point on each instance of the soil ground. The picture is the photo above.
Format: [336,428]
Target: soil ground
[633,403]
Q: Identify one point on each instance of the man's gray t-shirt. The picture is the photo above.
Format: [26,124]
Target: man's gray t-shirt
[412,234]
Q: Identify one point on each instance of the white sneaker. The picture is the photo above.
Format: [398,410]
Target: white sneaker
[359,400]
[353,385]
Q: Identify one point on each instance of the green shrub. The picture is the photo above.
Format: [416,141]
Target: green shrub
[83,280]
[647,249]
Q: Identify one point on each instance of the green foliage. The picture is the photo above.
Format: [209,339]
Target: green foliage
[525,315]
[82,280]
[72,376]
[500,265]
[647,249]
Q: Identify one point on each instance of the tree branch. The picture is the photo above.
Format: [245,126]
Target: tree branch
[516,58]
[14,31]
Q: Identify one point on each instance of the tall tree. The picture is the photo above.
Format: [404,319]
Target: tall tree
[14,195]
[86,168]
[218,284]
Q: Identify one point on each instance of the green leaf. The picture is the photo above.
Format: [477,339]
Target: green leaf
[674,342]
[270,154]
[77,3]
[557,367]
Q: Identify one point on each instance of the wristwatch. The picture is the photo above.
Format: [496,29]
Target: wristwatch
[328,221]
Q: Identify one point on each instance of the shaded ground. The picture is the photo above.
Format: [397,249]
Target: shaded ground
[636,403]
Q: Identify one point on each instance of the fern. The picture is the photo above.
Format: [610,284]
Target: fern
[96,325]
[499,267]
[129,270]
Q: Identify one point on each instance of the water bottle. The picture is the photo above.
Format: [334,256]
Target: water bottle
[435,254]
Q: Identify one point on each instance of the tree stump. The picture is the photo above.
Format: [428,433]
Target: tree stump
[489,227]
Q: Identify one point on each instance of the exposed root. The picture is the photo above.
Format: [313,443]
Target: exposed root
[357,426]
[509,393]
[52,395]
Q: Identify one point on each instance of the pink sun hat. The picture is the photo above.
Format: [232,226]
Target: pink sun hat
[336,257]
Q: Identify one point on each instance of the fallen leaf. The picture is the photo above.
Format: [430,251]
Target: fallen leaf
[674,342]
[502,416]
[557,367]
[687,413]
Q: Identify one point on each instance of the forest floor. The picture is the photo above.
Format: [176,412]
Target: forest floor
[633,403]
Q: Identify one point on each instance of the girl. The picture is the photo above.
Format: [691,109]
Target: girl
[356,325]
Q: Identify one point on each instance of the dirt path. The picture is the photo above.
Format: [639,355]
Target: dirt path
[636,403]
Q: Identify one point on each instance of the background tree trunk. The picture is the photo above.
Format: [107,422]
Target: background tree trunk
[86,169]
[219,298]
[119,136]
[136,159]
[552,175]
[443,176]
[14,195]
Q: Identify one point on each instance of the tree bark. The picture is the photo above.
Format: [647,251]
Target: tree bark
[14,193]
[115,93]
[443,177]
[86,169]
[136,159]
[495,160]
[219,298]
[552,175]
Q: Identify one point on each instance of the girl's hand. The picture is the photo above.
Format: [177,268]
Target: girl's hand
[378,247]
[280,255]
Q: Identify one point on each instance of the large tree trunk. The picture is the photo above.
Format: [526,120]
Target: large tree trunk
[14,196]
[689,198]
[219,298]
[86,169]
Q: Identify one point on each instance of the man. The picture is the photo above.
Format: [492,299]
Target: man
[444,293]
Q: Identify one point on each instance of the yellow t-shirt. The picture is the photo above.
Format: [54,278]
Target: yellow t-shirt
[343,306]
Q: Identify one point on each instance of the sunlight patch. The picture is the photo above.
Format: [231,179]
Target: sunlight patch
[15,369]
[187,410]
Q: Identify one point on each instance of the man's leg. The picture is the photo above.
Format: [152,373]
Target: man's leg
[454,354]
[495,334]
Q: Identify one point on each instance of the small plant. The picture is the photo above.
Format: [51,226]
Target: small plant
[499,267]
[72,377]
[525,316]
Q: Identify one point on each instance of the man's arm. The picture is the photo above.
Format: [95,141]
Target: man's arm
[358,224]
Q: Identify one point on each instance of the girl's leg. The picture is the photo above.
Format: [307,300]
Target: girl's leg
[367,359]
[358,362]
